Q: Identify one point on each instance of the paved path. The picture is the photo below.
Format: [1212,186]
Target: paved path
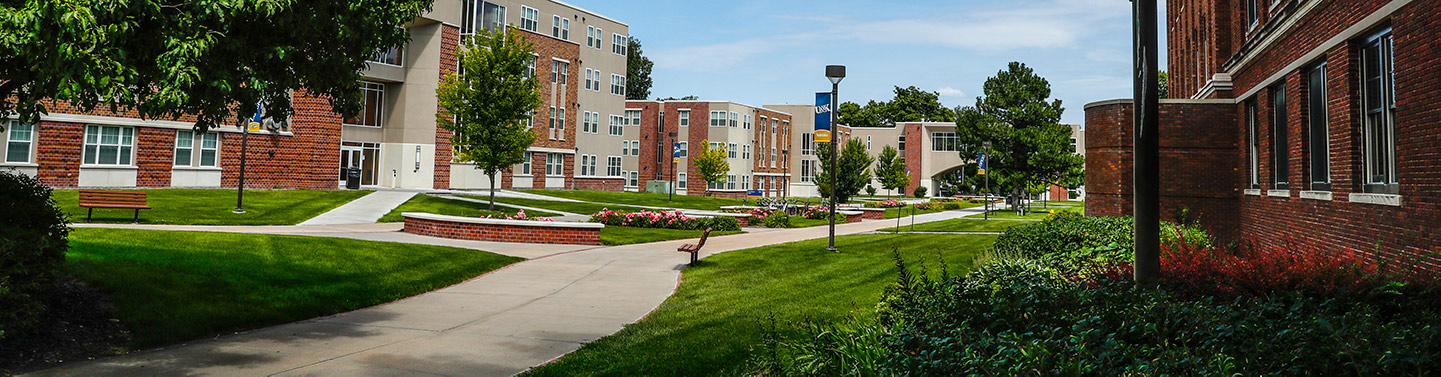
[366,210]
[498,324]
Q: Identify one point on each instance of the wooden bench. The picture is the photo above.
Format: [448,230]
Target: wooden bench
[93,199]
[694,249]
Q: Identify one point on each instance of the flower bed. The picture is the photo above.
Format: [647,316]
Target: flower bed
[523,230]
[664,220]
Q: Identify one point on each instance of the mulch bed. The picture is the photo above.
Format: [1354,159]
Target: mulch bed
[80,326]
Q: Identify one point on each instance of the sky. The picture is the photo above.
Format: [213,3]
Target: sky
[761,52]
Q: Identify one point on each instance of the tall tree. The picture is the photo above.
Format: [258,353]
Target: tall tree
[686,98]
[911,104]
[891,169]
[484,104]
[852,174]
[1028,142]
[637,72]
[1162,86]
[711,164]
[854,115]
[163,59]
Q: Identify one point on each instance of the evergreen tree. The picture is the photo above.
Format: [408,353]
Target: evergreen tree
[637,71]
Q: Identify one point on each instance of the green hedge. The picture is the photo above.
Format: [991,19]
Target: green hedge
[1075,242]
[32,249]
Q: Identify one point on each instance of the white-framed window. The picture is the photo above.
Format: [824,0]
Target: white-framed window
[554,164]
[619,44]
[735,118]
[807,143]
[745,152]
[588,164]
[1253,8]
[635,147]
[19,141]
[372,113]
[717,119]
[478,15]
[591,122]
[1378,115]
[559,72]
[634,179]
[683,148]
[748,121]
[616,125]
[109,145]
[394,55]
[612,166]
[764,123]
[775,125]
[552,122]
[683,117]
[1280,138]
[530,66]
[731,150]
[525,166]
[945,142]
[589,78]
[632,117]
[529,18]
[731,182]
[560,28]
[625,147]
[808,171]
[868,142]
[590,38]
[680,181]
[773,157]
[617,84]
[192,149]
[745,182]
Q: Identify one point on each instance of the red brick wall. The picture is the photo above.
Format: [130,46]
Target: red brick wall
[650,131]
[449,40]
[600,184]
[155,156]
[697,134]
[914,139]
[58,154]
[1199,161]
[560,95]
[503,233]
[309,159]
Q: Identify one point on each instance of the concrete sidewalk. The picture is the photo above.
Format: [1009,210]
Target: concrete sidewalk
[366,210]
[498,324]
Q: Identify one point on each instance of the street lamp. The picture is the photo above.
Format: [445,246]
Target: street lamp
[835,73]
[674,156]
[985,157]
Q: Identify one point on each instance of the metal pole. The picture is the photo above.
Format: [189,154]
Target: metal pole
[240,190]
[835,170]
[1147,206]
[988,188]
[673,176]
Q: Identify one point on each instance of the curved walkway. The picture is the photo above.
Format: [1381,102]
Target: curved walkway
[498,324]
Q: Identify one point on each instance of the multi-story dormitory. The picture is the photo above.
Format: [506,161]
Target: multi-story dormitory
[1307,121]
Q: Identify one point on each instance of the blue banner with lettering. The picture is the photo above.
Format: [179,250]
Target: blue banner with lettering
[823,117]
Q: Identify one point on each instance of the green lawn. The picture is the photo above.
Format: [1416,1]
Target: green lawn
[170,287]
[641,199]
[1037,213]
[582,208]
[960,225]
[215,206]
[711,324]
[892,213]
[624,235]
[451,207]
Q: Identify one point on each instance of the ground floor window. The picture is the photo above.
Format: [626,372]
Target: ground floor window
[554,164]
[360,155]
[808,170]
[19,140]
[731,182]
[634,179]
[612,167]
[193,149]
[108,145]
[680,181]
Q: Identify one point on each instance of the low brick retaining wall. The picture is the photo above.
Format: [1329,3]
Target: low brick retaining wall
[743,218]
[872,213]
[853,216]
[520,231]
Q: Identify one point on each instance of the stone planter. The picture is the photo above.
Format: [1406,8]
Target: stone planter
[497,230]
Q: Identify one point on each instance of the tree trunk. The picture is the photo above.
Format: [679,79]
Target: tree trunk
[492,192]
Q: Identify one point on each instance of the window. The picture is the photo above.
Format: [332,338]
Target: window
[619,44]
[945,142]
[590,123]
[734,118]
[808,170]
[635,147]
[1253,7]
[107,145]
[731,150]
[683,117]
[745,152]
[775,125]
[625,147]
[185,149]
[590,38]
[1378,114]
[868,142]
[372,96]
[763,123]
[1253,147]
[590,79]
[18,144]
[584,160]
[589,167]
[529,18]
[617,84]
[731,182]
[612,166]
[901,145]
[634,179]
[1280,137]
[773,157]
[632,117]
[552,122]
[683,148]
[490,16]
[680,181]
[807,143]
[1319,139]
[1073,145]
[717,119]
[745,182]
[394,55]
[616,121]
[560,28]
[554,164]
[530,67]
[746,123]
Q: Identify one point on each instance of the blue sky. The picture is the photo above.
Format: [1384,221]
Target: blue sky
[760,52]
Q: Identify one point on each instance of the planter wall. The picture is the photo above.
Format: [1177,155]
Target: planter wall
[519,231]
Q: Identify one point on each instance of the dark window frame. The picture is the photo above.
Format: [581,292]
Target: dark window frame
[1280,139]
[1378,114]
[1318,129]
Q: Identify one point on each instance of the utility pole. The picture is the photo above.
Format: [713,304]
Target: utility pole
[1147,205]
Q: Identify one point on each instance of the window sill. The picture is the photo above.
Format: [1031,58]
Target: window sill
[110,167]
[1253,192]
[1316,195]
[1379,199]
[1278,193]
[18,165]
[197,168]
[360,125]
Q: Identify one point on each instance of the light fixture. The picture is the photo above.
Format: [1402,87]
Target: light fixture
[835,73]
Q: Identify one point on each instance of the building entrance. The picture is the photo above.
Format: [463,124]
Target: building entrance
[366,156]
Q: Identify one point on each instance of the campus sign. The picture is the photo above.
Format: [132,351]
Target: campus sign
[823,117]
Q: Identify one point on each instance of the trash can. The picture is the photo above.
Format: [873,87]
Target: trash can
[352,178]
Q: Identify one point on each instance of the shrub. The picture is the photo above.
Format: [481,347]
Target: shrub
[950,206]
[32,249]
[870,190]
[664,220]
[776,220]
[1068,234]
[815,212]
[885,204]
[920,192]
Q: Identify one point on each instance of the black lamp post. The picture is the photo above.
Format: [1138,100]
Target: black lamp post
[673,176]
[1147,266]
[835,73]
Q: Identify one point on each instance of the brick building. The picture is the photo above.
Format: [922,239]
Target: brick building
[756,141]
[394,141]
[1292,121]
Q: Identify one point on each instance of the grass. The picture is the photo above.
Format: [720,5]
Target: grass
[641,199]
[582,208]
[215,206]
[1036,214]
[892,213]
[170,287]
[959,225]
[452,207]
[625,235]
[708,328]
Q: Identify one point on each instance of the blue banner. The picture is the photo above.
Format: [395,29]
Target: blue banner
[981,161]
[823,117]
[676,148]
[754,193]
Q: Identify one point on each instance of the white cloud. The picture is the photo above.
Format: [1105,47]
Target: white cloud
[951,92]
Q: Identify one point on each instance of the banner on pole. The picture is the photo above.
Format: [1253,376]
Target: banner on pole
[981,162]
[823,117]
